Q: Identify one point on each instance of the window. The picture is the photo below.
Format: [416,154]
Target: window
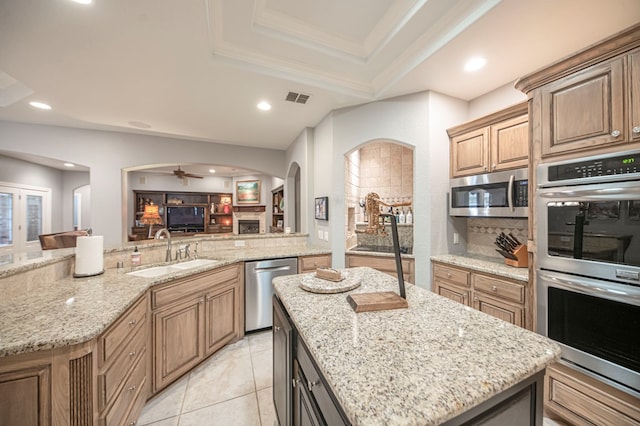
[25,213]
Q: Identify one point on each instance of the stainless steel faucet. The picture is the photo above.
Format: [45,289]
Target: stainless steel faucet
[165,231]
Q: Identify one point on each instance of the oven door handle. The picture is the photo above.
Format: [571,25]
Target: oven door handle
[510,193]
[615,191]
[620,292]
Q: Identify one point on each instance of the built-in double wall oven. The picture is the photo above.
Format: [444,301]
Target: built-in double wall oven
[588,264]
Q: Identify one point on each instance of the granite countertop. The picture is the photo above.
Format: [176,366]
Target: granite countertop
[484,264]
[69,311]
[421,365]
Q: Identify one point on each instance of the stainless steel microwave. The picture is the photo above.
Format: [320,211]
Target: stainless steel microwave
[498,194]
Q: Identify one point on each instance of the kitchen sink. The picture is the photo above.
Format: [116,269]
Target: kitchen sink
[157,271]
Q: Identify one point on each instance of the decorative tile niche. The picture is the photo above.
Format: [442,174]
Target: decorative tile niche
[482,232]
[385,168]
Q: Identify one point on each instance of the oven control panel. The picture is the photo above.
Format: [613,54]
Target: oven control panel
[614,165]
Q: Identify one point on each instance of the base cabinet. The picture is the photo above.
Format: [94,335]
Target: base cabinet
[282,363]
[384,264]
[311,263]
[574,397]
[493,295]
[25,397]
[192,318]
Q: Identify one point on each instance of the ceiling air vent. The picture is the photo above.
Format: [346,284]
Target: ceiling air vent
[298,98]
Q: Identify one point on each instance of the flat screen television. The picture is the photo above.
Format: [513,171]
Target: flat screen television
[185,218]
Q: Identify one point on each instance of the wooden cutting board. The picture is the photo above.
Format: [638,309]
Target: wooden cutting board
[382,301]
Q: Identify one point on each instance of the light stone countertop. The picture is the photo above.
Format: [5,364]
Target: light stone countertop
[484,264]
[57,313]
[421,365]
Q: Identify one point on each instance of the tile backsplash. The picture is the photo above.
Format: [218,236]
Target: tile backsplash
[482,232]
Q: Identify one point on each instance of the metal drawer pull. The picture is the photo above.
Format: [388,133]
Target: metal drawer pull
[276,328]
[311,384]
[636,129]
[494,288]
[295,382]
[133,322]
[132,388]
[615,133]
[132,353]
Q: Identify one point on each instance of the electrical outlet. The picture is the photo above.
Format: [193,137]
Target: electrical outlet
[326,235]
[456,238]
[239,243]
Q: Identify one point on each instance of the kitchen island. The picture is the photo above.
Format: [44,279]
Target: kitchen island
[433,363]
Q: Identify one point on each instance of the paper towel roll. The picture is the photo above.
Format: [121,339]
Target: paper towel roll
[89,256]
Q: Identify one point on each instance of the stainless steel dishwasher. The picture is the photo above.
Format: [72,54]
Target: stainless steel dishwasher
[258,289]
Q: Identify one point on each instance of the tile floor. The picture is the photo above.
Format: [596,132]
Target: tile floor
[233,387]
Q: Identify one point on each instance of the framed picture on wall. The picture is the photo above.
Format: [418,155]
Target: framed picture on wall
[322,208]
[248,192]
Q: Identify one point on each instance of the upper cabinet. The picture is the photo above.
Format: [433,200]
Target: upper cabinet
[587,102]
[585,109]
[499,141]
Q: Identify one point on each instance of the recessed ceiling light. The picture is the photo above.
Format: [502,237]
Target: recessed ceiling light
[264,106]
[83,1]
[69,165]
[39,105]
[212,170]
[474,64]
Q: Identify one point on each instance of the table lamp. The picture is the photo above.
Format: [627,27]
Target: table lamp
[150,216]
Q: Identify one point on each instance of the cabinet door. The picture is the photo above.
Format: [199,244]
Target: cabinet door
[634,97]
[25,397]
[510,144]
[178,333]
[470,153]
[585,109]
[505,311]
[306,413]
[282,363]
[455,293]
[222,312]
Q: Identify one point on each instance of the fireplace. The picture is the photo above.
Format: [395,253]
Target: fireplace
[248,227]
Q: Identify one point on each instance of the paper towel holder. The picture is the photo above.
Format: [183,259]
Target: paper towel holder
[89,263]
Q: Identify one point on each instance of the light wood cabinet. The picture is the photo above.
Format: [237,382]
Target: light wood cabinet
[122,365]
[25,396]
[585,109]
[499,141]
[192,318]
[496,296]
[583,400]
[311,263]
[386,264]
[634,96]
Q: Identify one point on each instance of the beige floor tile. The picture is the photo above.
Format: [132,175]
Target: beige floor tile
[260,341]
[265,405]
[242,411]
[173,421]
[262,368]
[166,405]
[225,376]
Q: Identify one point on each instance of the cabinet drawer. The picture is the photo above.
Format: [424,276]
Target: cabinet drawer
[452,275]
[176,290]
[114,375]
[121,331]
[133,389]
[504,289]
[316,386]
[311,263]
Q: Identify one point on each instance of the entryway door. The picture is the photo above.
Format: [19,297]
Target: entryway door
[25,213]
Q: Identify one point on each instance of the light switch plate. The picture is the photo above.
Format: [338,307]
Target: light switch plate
[326,235]
[456,238]
[319,235]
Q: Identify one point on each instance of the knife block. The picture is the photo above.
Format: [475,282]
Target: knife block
[523,257]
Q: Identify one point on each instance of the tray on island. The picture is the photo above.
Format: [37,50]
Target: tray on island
[317,285]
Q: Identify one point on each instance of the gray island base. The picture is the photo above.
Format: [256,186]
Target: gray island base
[436,362]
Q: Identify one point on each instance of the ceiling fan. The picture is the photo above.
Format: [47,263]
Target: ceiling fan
[183,175]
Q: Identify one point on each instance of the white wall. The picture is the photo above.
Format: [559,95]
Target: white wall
[495,100]
[300,152]
[107,154]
